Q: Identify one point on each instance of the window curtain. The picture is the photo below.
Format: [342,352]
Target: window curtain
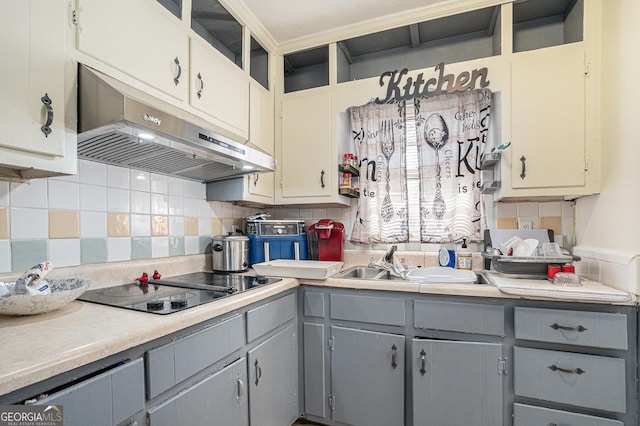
[379,135]
[420,168]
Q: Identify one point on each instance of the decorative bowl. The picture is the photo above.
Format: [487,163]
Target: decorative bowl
[62,292]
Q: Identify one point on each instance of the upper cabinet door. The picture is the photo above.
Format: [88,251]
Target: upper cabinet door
[219,88]
[306,165]
[140,38]
[32,44]
[548,118]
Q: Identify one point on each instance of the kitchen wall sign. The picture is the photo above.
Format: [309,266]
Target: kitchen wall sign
[399,89]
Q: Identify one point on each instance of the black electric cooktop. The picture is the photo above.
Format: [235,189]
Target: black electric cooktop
[173,294]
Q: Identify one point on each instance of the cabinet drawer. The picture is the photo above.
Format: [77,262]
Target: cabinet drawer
[170,364]
[265,318]
[577,379]
[462,317]
[374,310]
[596,329]
[106,399]
[528,415]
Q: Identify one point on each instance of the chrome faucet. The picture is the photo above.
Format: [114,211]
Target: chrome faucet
[389,256]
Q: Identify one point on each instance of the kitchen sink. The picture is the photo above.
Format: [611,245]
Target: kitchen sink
[371,273]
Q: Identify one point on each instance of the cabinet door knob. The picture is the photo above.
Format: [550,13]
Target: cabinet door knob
[46,128]
[394,354]
[523,174]
[423,362]
[176,79]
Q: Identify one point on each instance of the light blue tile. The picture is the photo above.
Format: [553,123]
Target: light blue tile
[205,244]
[141,248]
[26,253]
[176,246]
[93,250]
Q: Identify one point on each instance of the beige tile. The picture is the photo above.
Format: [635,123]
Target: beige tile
[4,224]
[64,224]
[190,226]
[216,226]
[118,225]
[552,222]
[507,223]
[159,226]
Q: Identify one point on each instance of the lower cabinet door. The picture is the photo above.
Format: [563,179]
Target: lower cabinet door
[218,400]
[528,415]
[107,399]
[457,383]
[367,377]
[273,380]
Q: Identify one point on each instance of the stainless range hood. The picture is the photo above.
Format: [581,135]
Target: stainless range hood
[121,125]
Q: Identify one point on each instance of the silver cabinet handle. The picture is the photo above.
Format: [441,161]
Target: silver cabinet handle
[394,353]
[578,328]
[553,424]
[524,167]
[567,370]
[240,389]
[46,101]
[258,372]
[322,179]
[423,362]
[176,79]
[200,86]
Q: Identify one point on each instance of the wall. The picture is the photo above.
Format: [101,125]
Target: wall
[606,224]
[107,214]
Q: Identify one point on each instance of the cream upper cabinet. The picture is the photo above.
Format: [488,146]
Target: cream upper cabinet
[261,118]
[140,38]
[32,87]
[548,106]
[307,163]
[219,88]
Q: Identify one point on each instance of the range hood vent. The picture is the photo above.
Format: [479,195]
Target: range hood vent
[123,126]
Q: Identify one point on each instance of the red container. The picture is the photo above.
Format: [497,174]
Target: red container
[569,268]
[552,270]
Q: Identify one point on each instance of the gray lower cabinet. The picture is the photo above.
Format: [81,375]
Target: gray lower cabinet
[219,399]
[367,377]
[457,383]
[273,379]
[107,399]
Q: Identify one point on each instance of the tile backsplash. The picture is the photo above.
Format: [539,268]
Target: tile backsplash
[107,214]
[111,214]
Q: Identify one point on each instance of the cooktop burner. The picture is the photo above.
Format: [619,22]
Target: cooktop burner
[174,294]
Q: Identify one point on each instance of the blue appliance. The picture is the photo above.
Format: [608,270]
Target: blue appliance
[276,239]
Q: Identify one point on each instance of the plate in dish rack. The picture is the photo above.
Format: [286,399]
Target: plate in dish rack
[309,269]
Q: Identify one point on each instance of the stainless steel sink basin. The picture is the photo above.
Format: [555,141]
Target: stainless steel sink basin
[371,273]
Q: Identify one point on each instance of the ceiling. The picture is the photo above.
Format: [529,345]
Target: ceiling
[288,20]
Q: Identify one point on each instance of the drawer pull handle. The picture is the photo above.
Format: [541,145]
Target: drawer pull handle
[567,370]
[557,326]
[553,424]
[394,353]
[240,389]
[423,362]
[46,128]
[176,79]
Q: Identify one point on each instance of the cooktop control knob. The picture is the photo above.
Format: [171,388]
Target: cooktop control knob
[179,303]
[155,305]
[261,279]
